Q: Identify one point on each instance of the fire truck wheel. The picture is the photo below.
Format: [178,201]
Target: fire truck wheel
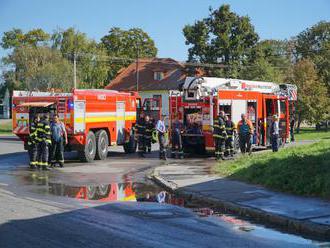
[102,142]
[89,151]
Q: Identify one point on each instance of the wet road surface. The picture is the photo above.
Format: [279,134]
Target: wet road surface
[97,205]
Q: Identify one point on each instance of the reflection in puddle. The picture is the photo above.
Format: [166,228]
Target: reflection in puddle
[106,192]
[102,192]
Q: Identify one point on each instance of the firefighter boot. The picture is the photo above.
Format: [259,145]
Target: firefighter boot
[32,167]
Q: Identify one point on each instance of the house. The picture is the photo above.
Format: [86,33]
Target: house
[157,76]
[5,104]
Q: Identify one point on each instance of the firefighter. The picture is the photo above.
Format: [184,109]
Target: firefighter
[59,139]
[219,135]
[33,142]
[44,141]
[245,132]
[150,128]
[140,128]
[176,139]
[230,130]
[274,131]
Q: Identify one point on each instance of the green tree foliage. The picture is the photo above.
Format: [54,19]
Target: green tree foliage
[267,61]
[15,38]
[39,68]
[313,102]
[223,37]
[314,44]
[127,44]
[92,66]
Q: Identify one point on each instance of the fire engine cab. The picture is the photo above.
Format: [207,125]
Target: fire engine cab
[200,99]
[94,119]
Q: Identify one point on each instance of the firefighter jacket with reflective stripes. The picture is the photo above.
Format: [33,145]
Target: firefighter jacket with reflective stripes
[140,127]
[219,128]
[230,128]
[150,128]
[32,140]
[44,133]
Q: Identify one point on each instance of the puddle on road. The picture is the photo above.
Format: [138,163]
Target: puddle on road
[147,191]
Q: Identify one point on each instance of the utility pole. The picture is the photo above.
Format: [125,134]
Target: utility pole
[74,71]
[137,67]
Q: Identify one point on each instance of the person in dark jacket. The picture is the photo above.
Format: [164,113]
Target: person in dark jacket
[275,131]
[176,139]
[230,130]
[59,139]
[33,142]
[44,141]
[150,128]
[245,131]
[140,128]
[219,135]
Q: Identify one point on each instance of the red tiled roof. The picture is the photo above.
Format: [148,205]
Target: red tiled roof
[174,74]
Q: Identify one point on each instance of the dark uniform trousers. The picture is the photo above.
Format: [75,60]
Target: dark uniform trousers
[140,129]
[33,145]
[245,142]
[177,148]
[57,152]
[150,128]
[219,135]
[44,143]
[229,144]
[161,140]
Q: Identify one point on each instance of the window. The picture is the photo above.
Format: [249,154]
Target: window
[158,75]
[158,99]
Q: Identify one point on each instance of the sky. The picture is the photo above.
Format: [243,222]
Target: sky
[162,20]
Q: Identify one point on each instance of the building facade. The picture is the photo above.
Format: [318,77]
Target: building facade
[156,77]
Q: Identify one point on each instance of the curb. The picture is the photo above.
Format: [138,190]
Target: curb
[304,227]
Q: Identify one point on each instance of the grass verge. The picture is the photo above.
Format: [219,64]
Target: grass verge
[302,170]
[6,127]
[311,134]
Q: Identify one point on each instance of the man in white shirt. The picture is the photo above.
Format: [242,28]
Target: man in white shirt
[161,129]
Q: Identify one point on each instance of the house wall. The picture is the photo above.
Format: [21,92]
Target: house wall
[163,93]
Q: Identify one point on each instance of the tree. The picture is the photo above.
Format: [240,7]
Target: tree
[16,38]
[313,102]
[269,60]
[223,37]
[39,68]
[127,44]
[314,44]
[92,67]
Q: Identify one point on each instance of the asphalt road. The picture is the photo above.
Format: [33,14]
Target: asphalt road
[94,205]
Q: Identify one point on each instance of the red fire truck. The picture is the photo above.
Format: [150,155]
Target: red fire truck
[94,119]
[200,99]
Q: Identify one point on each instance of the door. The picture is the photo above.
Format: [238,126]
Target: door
[79,116]
[120,122]
[238,107]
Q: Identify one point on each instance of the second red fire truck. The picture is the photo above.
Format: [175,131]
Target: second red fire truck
[200,99]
